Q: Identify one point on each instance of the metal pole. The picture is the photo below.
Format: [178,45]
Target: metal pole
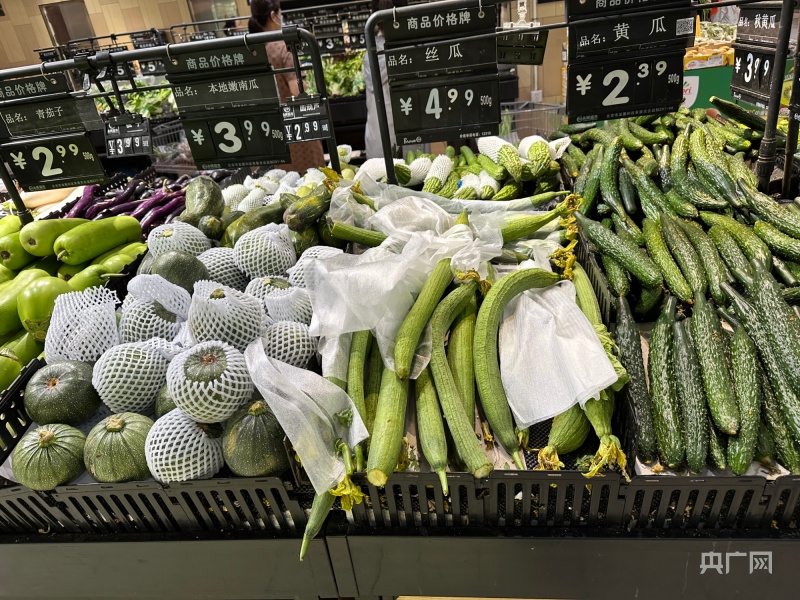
[766,157]
[377,90]
[24,214]
[316,62]
[791,133]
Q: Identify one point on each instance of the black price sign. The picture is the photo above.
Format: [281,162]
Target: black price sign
[230,92]
[207,62]
[61,114]
[305,119]
[759,24]
[50,163]
[149,67]
[237,140]
[446,111]
[752,73]
[586,9]
[202,35]
[442,23]
[624,87]
[48,55]
[31,87]
[128,139]
[332,44]
[442,58]
[522,48]
[626,32]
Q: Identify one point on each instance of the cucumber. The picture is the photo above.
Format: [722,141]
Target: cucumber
[387,439]
[487,366]
[689,384]
[777,215]
[609,189]
[664,173]
[684,183]
[711,172]
[685,255]
[597,135]
[583,176]
[666,409]
[462,429]
[744,368]
[707,336]
[648,299]
[740,170]
[680,206]
[592,189]
[430,427]
[419,315]
[372,385]
[320,507]
[717,446]
[788,400]
[778,242]
[729,250]
[765,448]
[750,243]
[657,248]
[647,137]
[629,141]
[616,274]
[786,448]
[652,200]
[627,192]
[625,252]
[781,324]
[706,251]
[630,350]
[351,233]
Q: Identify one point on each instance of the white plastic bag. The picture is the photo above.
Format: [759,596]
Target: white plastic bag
[313,412]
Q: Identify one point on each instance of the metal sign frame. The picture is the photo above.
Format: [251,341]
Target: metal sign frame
[294,38]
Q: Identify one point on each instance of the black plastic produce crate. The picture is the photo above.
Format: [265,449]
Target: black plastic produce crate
[247,504]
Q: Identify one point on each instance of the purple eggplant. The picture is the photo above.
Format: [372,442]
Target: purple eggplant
[81,205]
[121,198]
[119,209]
[175,213]
[162,212]
[148,204]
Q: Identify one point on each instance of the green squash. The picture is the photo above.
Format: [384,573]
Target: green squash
[164,402]
[252,443]
[62,392]
[48,456]
[204,197]
[115,448]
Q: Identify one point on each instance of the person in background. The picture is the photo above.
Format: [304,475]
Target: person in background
[372,132]
[265,15]
[725,14]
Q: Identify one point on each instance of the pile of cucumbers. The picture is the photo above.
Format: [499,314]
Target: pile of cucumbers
[685,238]
[47,258]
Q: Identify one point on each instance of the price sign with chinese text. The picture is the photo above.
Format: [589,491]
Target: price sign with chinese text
[442,58]
[426,46]
[752,73]
[128,139]
[458,109]
[759,24]
[629,31]
[150,67]
[522,48]
[234,139]
[50,163]
[305,119]
[59,114]
[624,87]
[587,9]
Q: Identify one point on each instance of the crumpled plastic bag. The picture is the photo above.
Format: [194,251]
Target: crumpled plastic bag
[314,413]
[550,355]
[376,289]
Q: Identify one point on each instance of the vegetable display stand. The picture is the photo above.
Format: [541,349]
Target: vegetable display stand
[239,527]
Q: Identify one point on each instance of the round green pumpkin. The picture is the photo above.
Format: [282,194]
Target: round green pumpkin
[164,402]
[48,456]
[115,448]
[62,392]
[252,444]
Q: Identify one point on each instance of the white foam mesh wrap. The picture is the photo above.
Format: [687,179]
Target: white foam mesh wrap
[83,326]
[254,199]
[127,377]
[290,343]
[233,194]
[292,304]
[297,274]
[154,288]
[216,399]
[262,287]
[235,319]
[140,322]
[265,251]
[178,449]
[177,236]
[222,267]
